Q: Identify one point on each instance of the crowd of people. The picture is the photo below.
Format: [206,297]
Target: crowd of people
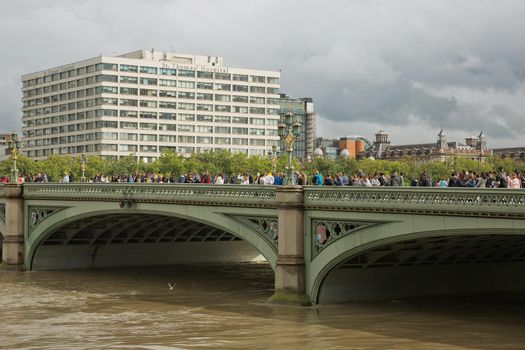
[496,179]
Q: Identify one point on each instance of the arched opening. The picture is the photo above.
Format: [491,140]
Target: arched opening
[436,265]
[137,239]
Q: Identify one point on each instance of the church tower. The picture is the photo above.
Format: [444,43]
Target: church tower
[482,141]
[442,140]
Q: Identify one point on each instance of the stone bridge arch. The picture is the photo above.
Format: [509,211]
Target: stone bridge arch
[411,254]
[86,234]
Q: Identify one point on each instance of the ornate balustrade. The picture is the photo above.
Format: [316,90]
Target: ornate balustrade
[223,195]
[419,200]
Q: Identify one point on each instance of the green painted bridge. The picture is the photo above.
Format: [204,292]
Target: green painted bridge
[325,244]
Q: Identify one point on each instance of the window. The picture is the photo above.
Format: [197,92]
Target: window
[167,138]
[128,91]
[128,68]
[168,71]
[222,87]
[202,96]
[257,132]
[240,88]
[257,142]
[205,75]
[124,136]
[186,84]
[204,129]
[107,113]
[106,66]
[240,131]
[128,148]
[222,119]
[257,89]
[272,90]
[240,77]
[204,118]
[107,101]
[167,93]
[203,107]
[241,99]
[186,150]
[272,111]
[186,106]
[167,116]
[148,148]
[205,86]
[221,108]
[186,73]
[148,81]
[186,117]
[204,139]
[273,80]
[186,128]
[257,121]
[106,90]
[223,76]
[150,104]
[187,95]
[240,120]
[105,124]
[167,82]
[148,137]
[186,139]
[273,101]
[103,77]
[148,115]
[239,109]
[272,122]
[222,140]
[167,127]
[257,79]
[256,110]
[148,126]
[222,130]
[128,80]
[168,105]
[148,70]
[148,92]
[128,114]
[239,141]
[258,100]
[223,98]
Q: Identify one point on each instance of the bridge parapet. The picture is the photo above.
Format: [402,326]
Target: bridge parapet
[223,195]
[418,200]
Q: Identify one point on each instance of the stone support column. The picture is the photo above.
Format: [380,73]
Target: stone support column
[290,272]
[13,244]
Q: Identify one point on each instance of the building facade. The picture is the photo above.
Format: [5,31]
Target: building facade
[475,147]
[4,147]
[303,109]
[145,102]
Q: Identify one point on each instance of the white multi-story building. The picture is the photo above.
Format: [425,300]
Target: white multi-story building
[144,102]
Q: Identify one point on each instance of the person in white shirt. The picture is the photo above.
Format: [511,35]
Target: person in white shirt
[65,178]
[268,179]
[219,180]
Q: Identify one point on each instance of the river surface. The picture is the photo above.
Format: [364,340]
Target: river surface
[223,307]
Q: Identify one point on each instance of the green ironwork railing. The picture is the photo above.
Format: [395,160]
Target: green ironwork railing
[227,195]
[418,200]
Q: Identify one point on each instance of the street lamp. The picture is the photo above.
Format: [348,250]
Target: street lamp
[83,161]
[14,145]
[289,132]
[273,157]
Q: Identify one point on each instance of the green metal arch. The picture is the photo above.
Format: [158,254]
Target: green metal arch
[412,227]
[212,216]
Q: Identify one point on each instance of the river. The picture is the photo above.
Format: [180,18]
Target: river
[223,307]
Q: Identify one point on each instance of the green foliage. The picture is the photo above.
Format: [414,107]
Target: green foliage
[234,163]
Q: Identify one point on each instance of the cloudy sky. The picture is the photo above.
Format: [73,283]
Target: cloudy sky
[407,67]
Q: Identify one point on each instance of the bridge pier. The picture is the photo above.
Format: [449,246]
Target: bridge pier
[13,244]
[290,271]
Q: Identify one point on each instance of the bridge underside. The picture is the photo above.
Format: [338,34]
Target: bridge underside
[459,264]
[138,240]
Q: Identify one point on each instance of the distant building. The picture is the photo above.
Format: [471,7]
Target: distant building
[145,102]
[4,147]
[303,109]
[349,146]
[475,147]
[516,153]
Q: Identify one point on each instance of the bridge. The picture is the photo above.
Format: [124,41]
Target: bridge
[324,244]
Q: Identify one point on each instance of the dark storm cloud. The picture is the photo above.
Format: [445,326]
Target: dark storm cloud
[384,63]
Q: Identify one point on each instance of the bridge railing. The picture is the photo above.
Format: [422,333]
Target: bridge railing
[418,200]
[224,195]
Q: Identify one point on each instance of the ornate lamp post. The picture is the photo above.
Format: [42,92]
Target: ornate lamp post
[273,156]
[83,161]
[289,132]
[14,145]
